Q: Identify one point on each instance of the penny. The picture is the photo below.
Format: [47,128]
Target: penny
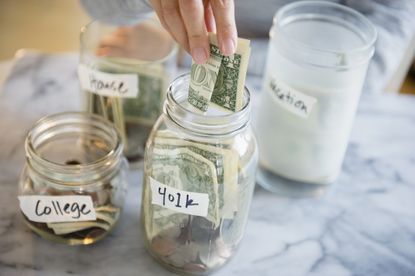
[162,246]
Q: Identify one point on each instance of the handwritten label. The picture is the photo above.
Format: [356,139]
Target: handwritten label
[108,84]
[291,99]
[177,200]
[57,208]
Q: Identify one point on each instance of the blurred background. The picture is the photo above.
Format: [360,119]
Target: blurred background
[46,25]
[53,26]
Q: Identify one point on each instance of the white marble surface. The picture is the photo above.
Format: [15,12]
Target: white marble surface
[364,225]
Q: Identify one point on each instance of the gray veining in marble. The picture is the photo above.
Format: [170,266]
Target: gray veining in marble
[364,225]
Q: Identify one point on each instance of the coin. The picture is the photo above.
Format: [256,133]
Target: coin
[162,246]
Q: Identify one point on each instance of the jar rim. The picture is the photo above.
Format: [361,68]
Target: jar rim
[203,124]
[127,61]
[363,53]
[68,170]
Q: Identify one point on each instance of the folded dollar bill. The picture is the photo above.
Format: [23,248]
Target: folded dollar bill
[222,159]
[183,169]
[107,216]
[221,79]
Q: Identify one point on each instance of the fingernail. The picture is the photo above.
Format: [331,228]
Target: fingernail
[199,55]
[228,47]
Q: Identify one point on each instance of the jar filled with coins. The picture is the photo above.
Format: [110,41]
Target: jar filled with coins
[199,176]
[73,186]
[124,72]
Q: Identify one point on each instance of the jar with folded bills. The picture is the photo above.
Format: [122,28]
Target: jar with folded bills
[199,177]
[124,72]
[73,186]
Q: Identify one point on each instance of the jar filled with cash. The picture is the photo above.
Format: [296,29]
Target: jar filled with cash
[73,186]
[124,73]
[199,176]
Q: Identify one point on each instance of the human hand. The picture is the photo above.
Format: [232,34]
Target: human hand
[189,21]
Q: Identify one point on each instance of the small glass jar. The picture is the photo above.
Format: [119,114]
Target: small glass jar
[73,155]
[317,61]
[124,72]
[199,176]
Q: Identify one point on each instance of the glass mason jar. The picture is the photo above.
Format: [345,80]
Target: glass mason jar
[317,61]
[70,157]
[199,176]
[124,73]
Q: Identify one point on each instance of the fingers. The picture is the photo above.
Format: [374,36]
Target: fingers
[169,15]
[175,25]
[209,18]
[188,21]
[156,4]
[224,12]
[193,17]
[184,20]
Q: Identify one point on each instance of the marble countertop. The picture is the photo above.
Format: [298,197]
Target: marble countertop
[364,225]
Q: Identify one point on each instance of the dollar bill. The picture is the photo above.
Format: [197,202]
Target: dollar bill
[107,216]
[225,143]
[203,79]
[223,84]
[231,171]
[152,85]
[185,170]
[226,166]
[230,82]
[133,117]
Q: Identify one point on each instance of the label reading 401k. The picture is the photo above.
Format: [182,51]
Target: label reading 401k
[178,200]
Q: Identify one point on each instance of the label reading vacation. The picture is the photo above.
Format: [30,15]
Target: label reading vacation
[177,200]
[107,84]
[291,99]
[57,208]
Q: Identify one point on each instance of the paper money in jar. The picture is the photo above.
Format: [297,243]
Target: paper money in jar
[124,73]
[73,186]
[200,167]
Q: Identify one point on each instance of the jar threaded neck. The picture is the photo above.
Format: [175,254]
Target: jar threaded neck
[73,149]
[203,124]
